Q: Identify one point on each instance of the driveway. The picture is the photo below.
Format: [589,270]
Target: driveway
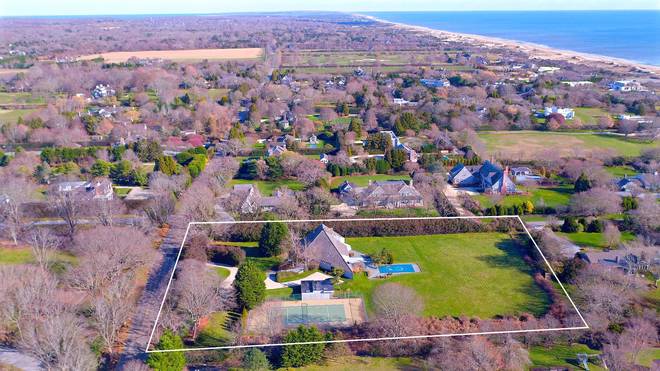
[453,195]
[227,282]
[22,361]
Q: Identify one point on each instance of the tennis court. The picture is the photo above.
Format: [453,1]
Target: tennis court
[313,314]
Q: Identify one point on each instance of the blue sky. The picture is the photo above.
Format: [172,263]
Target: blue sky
[81,7]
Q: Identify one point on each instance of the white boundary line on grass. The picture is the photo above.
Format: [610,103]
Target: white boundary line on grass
[185,236]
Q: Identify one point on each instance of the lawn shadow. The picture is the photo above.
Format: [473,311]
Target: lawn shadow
[538,301]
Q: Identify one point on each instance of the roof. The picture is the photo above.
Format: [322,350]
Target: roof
[323,244]
[313,286]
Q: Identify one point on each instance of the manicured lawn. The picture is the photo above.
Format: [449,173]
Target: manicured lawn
[290,276]
[253,254]
[221,272]
[400,213]
[24,256]
[20,98]
[12,115]
[121,191]
[586,239]
[647,356]
[620,171]
[550,196]
[473,274]
[214,331]
[353,363]
[589,115]
[284,292]
[267,187]
[363,180]
[561,356]
[528,144]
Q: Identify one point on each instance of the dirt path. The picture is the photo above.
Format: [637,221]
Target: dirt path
[146,309]
[453,197]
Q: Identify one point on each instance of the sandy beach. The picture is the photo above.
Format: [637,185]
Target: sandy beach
[535,51]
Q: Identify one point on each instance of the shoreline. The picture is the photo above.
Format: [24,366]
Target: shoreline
[533,50]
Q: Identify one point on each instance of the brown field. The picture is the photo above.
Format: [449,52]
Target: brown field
[180,55]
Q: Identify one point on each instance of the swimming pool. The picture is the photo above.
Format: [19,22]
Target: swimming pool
[398,268]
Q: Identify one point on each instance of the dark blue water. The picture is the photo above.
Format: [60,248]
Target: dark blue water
[632,35]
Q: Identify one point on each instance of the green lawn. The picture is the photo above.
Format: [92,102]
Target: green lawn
[647,356]
[363,180]
[473,274]
[621,171]
[284,292]
[121,191]
[290,276]
[221,272]
[398,213]
[267,187]
[528,144]
[589,115]
[12,115]
[20,98]
[352,363]
[253,254]
[24,256]
[561,356]
[550,196]
[216,331]
[586,239]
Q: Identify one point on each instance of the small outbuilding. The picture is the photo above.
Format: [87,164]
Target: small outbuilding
[316,290]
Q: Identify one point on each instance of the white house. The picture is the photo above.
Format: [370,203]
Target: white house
[548,69]
[577,83]
[627,85]
[568,113]
[102,91]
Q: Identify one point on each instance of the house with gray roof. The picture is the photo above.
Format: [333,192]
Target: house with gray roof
[329,249]
[388,194]
[489,178]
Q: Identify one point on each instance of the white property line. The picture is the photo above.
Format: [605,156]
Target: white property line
[185,236]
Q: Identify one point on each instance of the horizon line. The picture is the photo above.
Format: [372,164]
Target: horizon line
[357,12]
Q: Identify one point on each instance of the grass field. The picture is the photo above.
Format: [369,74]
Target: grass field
[20,98]
[647,356]
[214,330]
[473,274]
[550,196]
[23,255]
[352,363]
[187,55]
[521,145]
[363,180]
[12,115]
[621,171]
[267,187]
[597,240]
[589,115]
[561,356]
[414,212]
[221,272]
[253,254]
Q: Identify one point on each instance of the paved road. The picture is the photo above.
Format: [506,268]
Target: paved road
[22,361]
[146,309]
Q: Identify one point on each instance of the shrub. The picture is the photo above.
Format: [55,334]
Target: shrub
[595,226]
[168,361]
[229,255]
[302,355]
[570,225]
[272,235]
[255,360]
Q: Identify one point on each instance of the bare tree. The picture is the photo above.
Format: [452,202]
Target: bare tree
[43,244]
[594,202]
[68,207]
[106,211]
[112,309]
[197,291]
[159,209]
[611,235]
[397,307]
[106,253]
[14,192]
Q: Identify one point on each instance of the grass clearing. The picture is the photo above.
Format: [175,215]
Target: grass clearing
[621,171]
[23,255]
[352,363]
[561,356]
[525,145]
[12,115]
[267,187]
[363,180]
[472,274]
[214,330]
[21,98]
[586,239]
[186,55]
[221,272]
[291,276]
[647,356]
[550,196]
[590,115]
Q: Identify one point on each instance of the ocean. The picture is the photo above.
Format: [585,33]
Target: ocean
[631,35]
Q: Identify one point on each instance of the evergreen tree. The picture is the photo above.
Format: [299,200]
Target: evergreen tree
[255,360]
[250,286]
[272,235]
[302,355]
[167,165]
[100,168]
[168,361]
[582,183]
